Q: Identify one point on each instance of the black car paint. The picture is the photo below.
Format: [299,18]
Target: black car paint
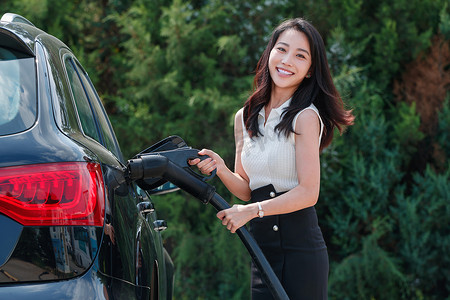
[131,263]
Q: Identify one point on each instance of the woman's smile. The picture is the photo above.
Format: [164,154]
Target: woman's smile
[284,72]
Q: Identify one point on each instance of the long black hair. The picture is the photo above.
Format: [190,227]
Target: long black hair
[319,89]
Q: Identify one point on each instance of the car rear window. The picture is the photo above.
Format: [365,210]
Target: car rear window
[17,91]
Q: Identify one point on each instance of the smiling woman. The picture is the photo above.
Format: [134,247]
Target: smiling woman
[279,134]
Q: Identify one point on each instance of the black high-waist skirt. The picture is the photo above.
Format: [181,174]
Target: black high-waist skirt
[294,246]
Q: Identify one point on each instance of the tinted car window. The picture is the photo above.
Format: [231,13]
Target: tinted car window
[103,121]
[17,91]
[81,102]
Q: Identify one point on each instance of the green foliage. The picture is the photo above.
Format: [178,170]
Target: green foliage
[358,175]
[443,134]
[371,273]
[341,57]
[444,25]
[406,133]
[422,218]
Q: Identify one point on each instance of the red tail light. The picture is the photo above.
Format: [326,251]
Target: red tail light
[53,194]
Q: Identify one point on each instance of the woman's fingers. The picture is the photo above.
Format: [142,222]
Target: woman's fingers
[208,170]
[220,214]
[194,161]
[227,220]
[205,166]
[204,163]
[208,152]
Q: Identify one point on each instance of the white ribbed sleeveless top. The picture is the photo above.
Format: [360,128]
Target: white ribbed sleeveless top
[270,158]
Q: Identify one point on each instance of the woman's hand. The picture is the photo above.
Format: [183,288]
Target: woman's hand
[237,216]
[236,183]
[208,165]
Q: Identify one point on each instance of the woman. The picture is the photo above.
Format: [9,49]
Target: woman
[284,124]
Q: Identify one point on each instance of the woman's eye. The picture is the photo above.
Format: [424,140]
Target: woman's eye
[281,49]
[300,55]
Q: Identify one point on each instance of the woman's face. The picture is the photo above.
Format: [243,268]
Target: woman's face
[289,61]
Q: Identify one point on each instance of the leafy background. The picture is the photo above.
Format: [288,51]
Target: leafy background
[165,67]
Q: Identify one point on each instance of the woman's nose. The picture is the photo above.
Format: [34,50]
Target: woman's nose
[286,60]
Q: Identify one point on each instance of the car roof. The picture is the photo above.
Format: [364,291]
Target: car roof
[23,34]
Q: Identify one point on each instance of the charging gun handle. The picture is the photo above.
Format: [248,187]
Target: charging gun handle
[159,166]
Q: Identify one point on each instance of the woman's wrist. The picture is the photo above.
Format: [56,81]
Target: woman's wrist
[222,171]
[252,210]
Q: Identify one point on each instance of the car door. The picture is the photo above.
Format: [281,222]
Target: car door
[129,251]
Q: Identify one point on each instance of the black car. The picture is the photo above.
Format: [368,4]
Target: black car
[70,226]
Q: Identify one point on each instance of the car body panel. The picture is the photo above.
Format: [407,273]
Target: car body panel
[125,258]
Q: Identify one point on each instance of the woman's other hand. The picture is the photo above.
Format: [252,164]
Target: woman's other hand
[237,216]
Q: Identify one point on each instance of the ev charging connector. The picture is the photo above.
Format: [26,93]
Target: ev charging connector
[173,166]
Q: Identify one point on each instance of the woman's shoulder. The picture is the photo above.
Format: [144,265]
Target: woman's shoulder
[308,112]
[239,123]
[308,117]
[240,112]
[314,108]
[239,118]
[311,107]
